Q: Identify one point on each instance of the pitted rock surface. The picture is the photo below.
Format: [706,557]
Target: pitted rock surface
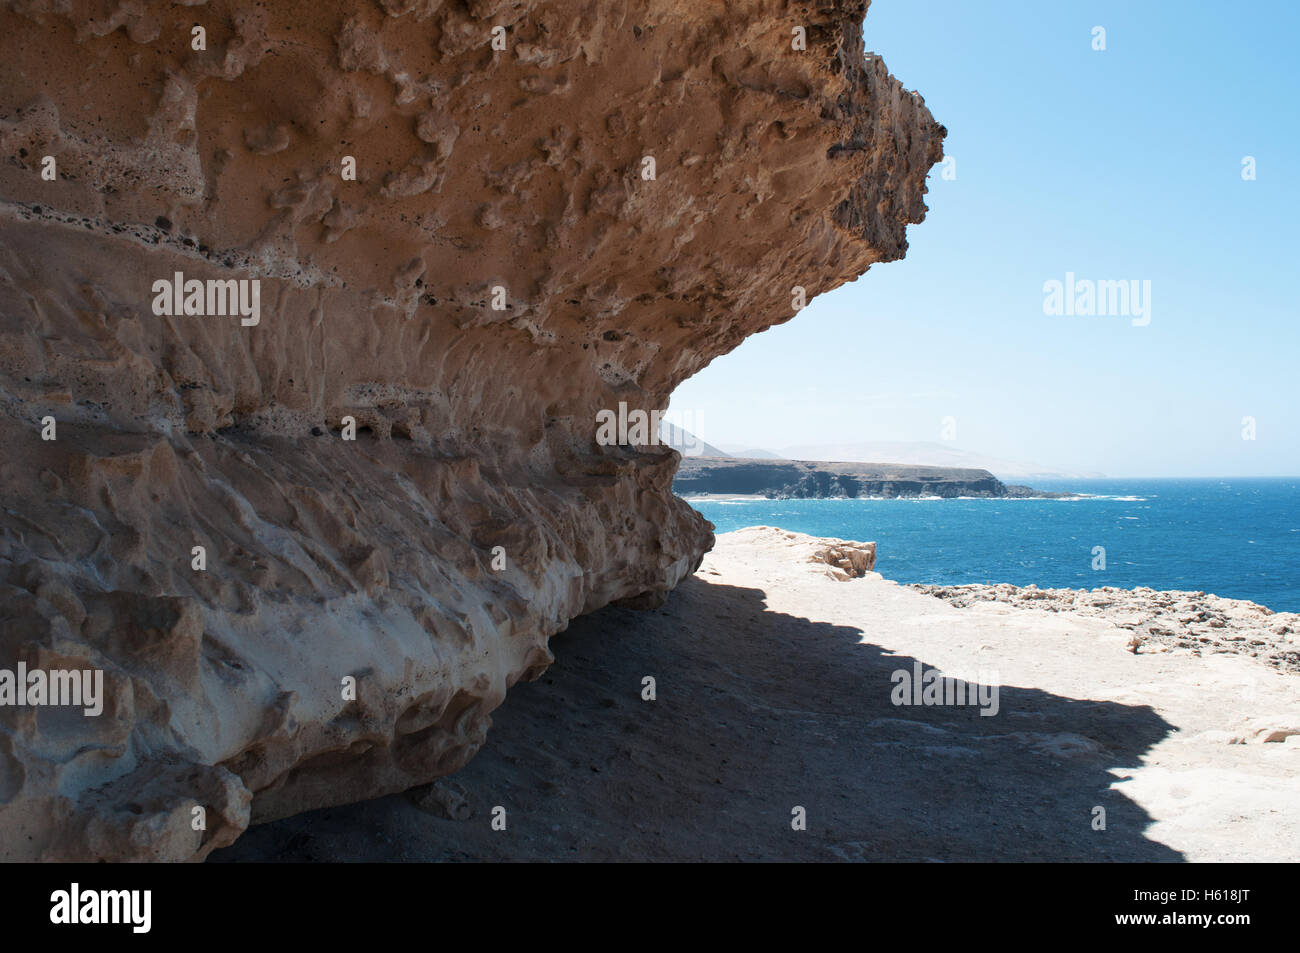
[483,176]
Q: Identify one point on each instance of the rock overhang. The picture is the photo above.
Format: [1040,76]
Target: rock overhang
[503,265]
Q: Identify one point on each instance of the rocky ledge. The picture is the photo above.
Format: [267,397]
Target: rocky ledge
[803,479]
[307,315]
[1198,622]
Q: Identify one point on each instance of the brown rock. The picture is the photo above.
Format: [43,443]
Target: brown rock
[483,177]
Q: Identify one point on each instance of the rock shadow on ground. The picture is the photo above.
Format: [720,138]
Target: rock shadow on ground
[756,712]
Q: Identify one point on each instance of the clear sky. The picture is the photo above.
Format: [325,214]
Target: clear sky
[1119,164]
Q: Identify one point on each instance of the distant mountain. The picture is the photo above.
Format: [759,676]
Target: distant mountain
[893,452]
[685,442]
[920,453]
[751,453]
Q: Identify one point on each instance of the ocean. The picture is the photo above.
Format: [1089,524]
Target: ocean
[1238,538]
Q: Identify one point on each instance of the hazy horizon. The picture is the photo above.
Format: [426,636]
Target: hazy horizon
[1123,164]
[1049,472]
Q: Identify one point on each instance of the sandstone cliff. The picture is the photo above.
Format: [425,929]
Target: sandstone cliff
[182,509]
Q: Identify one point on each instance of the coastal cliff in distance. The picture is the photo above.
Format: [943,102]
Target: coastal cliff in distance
[805,479]
[310,545]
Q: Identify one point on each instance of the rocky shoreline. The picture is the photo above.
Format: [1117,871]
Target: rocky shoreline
[1201,623]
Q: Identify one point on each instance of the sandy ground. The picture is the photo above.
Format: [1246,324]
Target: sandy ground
[773,691]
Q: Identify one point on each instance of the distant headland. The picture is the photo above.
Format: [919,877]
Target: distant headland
[805,479]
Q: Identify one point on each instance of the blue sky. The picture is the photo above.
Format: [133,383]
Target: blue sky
[1117,165]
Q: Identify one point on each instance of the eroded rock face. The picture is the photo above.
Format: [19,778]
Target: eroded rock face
[515,177]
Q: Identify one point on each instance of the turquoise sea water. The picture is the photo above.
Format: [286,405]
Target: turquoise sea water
[1238,538]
